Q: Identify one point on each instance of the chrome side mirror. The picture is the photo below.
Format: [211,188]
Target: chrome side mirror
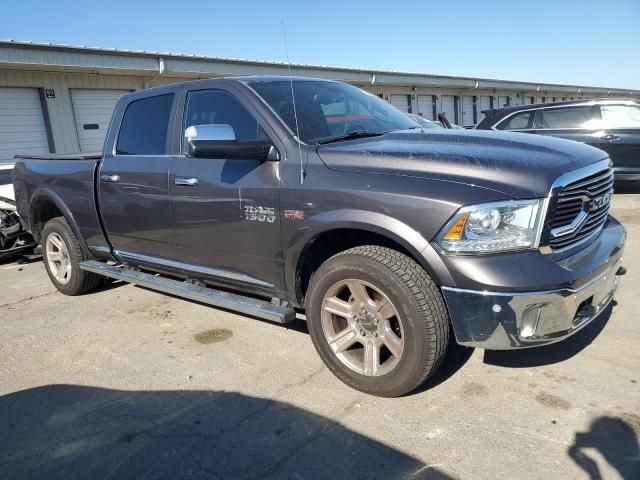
[209,132]
[219,141]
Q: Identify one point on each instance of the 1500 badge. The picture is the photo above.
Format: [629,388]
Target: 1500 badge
[260,214]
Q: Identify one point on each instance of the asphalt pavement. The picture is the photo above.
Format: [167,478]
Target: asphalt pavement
[127,383]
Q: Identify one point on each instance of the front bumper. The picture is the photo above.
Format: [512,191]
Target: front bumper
[497,320]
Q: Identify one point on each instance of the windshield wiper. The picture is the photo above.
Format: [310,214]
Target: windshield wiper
[352,135]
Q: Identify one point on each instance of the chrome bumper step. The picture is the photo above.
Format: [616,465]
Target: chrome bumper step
[194,291]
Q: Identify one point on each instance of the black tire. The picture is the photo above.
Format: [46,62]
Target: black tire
[79,281]
[419,305]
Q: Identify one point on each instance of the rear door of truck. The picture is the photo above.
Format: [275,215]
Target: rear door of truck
[133,177]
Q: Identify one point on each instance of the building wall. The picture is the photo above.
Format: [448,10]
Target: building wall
[61,122]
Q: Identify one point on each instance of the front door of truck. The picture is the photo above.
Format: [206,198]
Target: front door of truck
[225,211]
[133,178]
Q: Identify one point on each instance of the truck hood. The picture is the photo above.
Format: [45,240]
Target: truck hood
[516,164]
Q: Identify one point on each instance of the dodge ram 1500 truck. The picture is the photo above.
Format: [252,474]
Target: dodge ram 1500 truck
[269,195]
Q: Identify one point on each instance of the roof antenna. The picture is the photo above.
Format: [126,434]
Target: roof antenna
[293,98]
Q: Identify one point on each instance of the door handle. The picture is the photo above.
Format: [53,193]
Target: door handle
[611,137]
[186,181]
[110,178]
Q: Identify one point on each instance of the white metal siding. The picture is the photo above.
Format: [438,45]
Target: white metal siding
[425,106]
[467,110]
[93,107]
[401,102]
[449,108]
[484,104]
[22,125]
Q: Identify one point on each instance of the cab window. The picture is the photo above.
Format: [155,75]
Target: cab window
[620,116]
[518,121]
[566,117]
[144,126]
[217,107]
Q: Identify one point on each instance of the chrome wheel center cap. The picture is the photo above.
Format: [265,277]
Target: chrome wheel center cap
[369,322]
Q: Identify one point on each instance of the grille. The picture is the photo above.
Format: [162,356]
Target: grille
[591,195]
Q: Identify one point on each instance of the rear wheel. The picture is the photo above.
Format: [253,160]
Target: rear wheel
[62,254]
[377,320]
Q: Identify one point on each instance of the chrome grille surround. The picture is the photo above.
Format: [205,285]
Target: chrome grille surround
[579,206]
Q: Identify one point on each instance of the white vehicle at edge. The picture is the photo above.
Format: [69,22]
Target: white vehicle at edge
[14,240]
[6,186]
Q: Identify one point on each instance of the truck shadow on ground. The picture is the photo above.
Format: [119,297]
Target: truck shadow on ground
[69,431]
[554,353]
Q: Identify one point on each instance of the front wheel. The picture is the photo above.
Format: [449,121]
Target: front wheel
[377,320]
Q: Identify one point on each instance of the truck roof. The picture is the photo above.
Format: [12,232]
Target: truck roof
[240,79]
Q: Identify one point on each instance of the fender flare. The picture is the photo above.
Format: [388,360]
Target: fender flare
[51,196]
[404,235]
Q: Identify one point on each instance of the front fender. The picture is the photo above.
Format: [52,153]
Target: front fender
[391,228]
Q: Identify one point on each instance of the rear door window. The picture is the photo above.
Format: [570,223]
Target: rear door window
[519,121]
[144,126]
[566,117]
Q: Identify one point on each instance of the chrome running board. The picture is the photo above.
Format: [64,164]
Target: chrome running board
[277,311]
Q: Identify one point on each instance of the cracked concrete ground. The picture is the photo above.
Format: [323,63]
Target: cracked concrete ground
[128,383]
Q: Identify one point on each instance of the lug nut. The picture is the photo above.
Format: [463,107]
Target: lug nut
[375,334]
[362,332]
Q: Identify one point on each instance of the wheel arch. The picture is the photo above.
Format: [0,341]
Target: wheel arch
[45,205]
[339,231]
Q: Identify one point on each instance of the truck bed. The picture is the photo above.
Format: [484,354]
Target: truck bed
[65,183]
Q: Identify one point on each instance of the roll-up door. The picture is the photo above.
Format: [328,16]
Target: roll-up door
[92,109]
[22,126]
[425,106]
[449,108]
[484,102]
[467,110]
[401,102]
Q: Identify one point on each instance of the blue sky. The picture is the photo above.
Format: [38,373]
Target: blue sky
[567,41]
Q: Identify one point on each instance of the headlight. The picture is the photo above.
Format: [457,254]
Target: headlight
[493,227]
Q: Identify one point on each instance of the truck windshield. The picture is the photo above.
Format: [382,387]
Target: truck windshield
[330,110]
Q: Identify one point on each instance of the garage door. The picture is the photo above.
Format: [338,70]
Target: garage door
[92,110]
[467,110]
[401,102]
[425,106]
[22,126]
[448,107]
[485,104]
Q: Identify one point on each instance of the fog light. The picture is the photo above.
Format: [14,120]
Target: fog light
[530,320]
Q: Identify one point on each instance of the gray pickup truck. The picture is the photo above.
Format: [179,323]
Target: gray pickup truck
[271,196]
